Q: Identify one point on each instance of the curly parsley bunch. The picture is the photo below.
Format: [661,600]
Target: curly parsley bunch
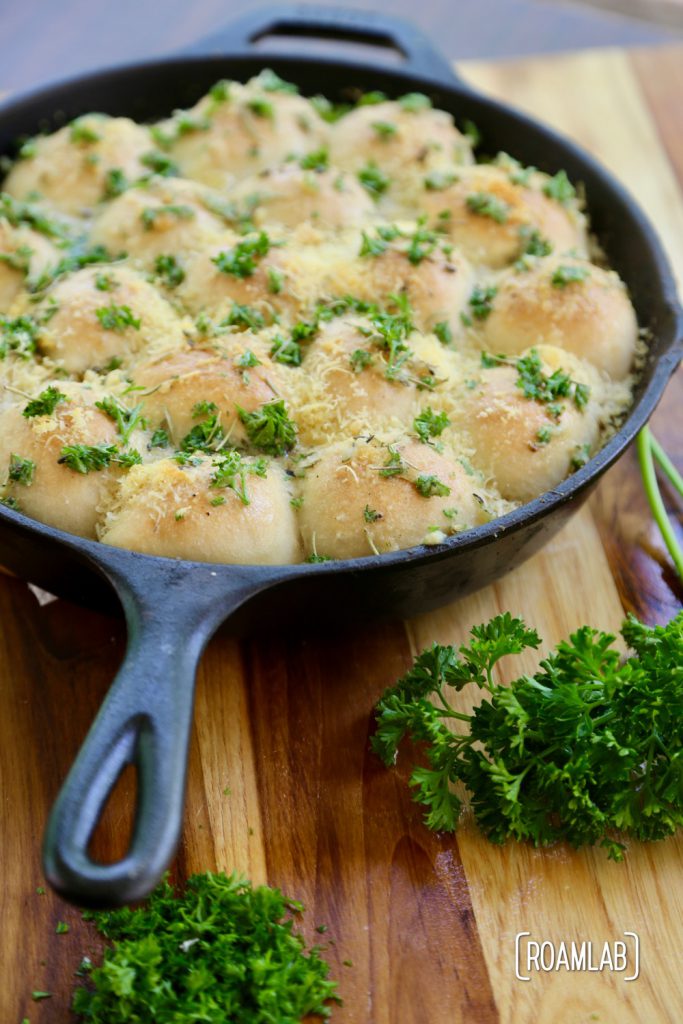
[588,746]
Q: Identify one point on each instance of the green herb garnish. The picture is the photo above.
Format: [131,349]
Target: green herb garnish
[221,950]
[117,318]
[560,188]
[269,428]
[45,404]
[568,274]
[242,260]
[318,160]
[21,470]
[486,205]
[430,424]
[151,214]
[430,486]
[373,179]
[168,270]
[126,419]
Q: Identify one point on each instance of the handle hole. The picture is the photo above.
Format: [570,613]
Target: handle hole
[112,837]
[281,39]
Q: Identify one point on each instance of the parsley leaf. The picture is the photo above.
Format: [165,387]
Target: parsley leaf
[487,205]
[430,424]
[242,260]
[269,428]
[221,950]
[373,179]
[117,318]
[45,404]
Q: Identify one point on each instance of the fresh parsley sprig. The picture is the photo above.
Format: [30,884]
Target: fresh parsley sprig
[587,747]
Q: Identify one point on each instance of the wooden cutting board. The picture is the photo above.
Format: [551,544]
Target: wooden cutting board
[281,784]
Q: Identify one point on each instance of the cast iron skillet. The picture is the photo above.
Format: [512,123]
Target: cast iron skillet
[172,607]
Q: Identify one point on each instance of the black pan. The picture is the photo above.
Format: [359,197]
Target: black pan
[172,607]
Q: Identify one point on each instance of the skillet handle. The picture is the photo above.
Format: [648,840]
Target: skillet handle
[338,23]
[145,720]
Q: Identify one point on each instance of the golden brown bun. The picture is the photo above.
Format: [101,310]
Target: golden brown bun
[58,495]
[592,318]
[70,173]
[251,130]
[349,509]
[173,385]
[75,335]
[168,216]
[507,429]
[485,240]
[168,509]
[289,196]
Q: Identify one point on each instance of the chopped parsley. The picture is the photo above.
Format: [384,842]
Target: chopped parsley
[160,163]
[160,439]
[275,281]
[285,350]
[385,129]
[537,386]
[484,204]
[371,515]
[230,470]
[269,81]
[560,188]
[242,260]
[115,183]
[21,470]
[18,335]
[16,213]
[169,271]
[580,457]
[206,435]
[82,132]
[375,246]
[443,332]
[117,318]
[318,160]
[480,302]
[371,98]
[360,359]
[394,464]
[261,108]
[373,179]
[151,214]
[568,273]
[104,282]
[437,181]
[414,102]
[269,428]
[430,424]
[247,360]
[220,950]
[126,419]
[430,486]
[87,458]
[45,404]
[244,316]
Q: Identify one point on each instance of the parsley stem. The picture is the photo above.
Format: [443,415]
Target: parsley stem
[666,464]
[644,446]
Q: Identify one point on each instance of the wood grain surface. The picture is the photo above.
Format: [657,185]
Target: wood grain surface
[282,786]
